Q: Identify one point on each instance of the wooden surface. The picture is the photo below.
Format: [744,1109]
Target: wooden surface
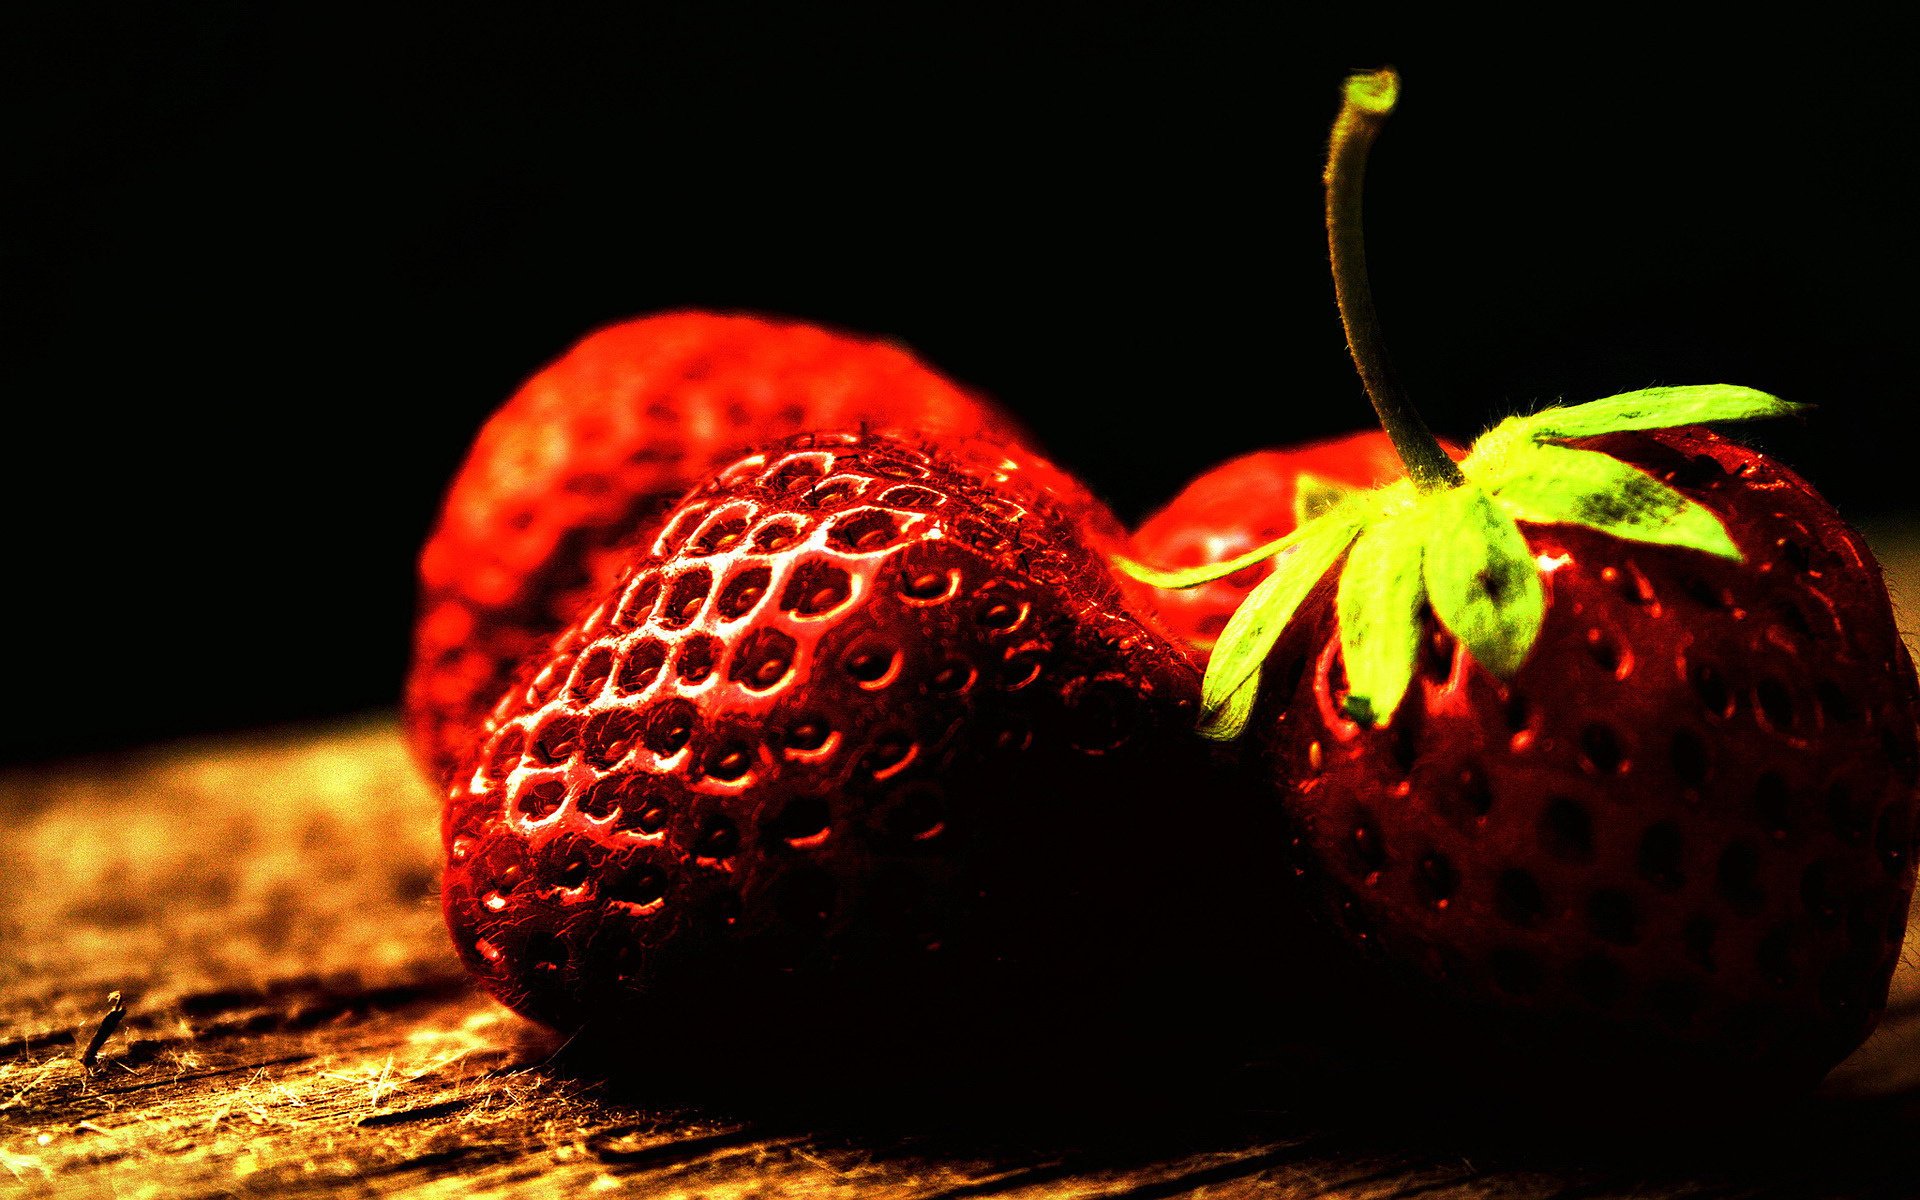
[296,1023]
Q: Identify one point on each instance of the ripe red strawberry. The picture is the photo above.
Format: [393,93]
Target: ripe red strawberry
[1682,828]
[1243,504]
[1604,738]
[587,455]
[868,718]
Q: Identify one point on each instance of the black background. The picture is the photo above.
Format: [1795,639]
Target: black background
[265,268]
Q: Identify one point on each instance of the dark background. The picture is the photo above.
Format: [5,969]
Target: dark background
[265,268]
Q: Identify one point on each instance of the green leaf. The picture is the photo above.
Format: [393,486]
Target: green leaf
[1229,720]
[1558,485]
[1654,408]
[1314,496]
[1233,671]
[1379,605]
[1460,550]
[1186,577]
[1481,578]
[1358,503]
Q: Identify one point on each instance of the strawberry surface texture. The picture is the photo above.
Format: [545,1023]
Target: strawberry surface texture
[584,459]
[1678,839]
[868,719]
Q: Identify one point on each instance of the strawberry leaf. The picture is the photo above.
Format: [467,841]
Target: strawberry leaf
[1459,549]
[1186,577]
[1229,719]
[1233,671]
[1653,408]
[1481,578]
[1557,485]
[1379,608]
[1315,496]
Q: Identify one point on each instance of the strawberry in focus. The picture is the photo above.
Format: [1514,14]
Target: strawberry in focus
[1245,503]
[868,719]
[584,459]
[1601,742]
[1681,830]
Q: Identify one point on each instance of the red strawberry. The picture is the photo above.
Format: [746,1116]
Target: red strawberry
[587,455]
[1683,824]
[1605,737]
[1243,504]
[868,718]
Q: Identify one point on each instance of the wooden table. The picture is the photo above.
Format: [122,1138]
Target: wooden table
[296,1023]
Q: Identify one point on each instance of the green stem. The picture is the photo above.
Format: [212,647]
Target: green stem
[1368,99]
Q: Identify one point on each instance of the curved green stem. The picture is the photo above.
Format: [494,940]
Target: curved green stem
[1368,99]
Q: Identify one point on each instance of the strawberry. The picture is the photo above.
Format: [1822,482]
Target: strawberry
[1604,737]
[589,453]
[1245,503]
[1686,815]
[865,718]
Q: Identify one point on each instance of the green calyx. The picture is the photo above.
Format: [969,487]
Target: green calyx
[1447,538]
[1313,496]
[1458,551]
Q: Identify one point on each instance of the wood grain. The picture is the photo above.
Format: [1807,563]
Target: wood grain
[296,1023]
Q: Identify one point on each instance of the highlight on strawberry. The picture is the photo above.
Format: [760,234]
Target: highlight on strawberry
[1600,742]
